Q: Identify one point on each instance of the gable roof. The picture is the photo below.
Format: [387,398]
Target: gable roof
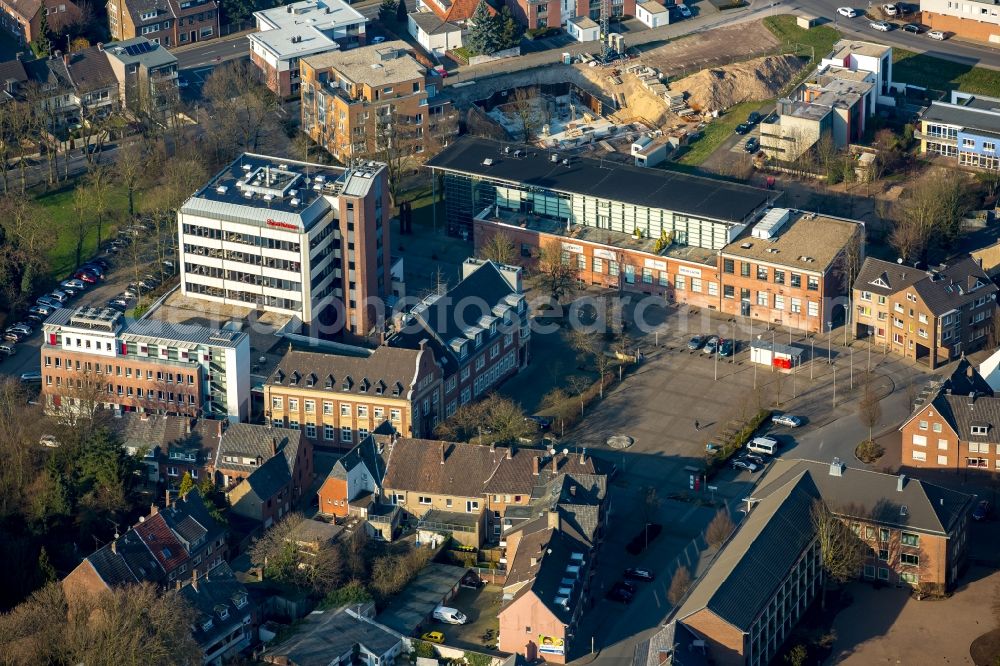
[370,452]
[322,637]
[213,594]
[929,508]
[942,289]
[472,470]
[964,399]
[753,564]
[248,440]
[89,70]
[483,296]
[269,479]
[457,10]
[385,371]
[162,542]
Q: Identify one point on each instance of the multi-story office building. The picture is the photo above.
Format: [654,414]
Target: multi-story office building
[956,426]
[931,316]
[98,358]
[338,400]
[286,34]
[791,269]
[352,101]
[146,73]
[166,22]
[974,19]
[295,238]
[479,331]
[965,128]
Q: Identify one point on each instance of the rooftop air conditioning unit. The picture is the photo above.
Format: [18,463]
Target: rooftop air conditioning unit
[488,161]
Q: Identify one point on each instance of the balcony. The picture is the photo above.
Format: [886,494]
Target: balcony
[935,138]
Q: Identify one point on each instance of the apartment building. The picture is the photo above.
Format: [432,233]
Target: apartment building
[789,269]
[22,19]
[170,545]
[769,572]
[166,22]
[263,469]
[353,100]
[223,623]
[146,73]
[964,128]
[170,446]
[932,316]
[286,34]
[93,357]
[478,331]
[857,56]
[976,20]
[954,424]
[294,238]
[338,400]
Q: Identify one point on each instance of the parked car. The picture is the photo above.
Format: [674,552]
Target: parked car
[890,10]
[981,511]
[14,336]
[915,28]
[59,296]
[937,34]
[696,342]
[40,310]
[743,464]
[8,350]
[752,145]
[20,327]
[34,377]
[766,445]
[755,459]
[849,12]
[48,302]
[726,348]
[69,291]
[96,269]
[633,573]
[684,11]
[450,615]
[771,118]
[49,441]
[86,276]
[743,128]
[78,285]
[99,262]
[37,318]
[433,637]
[619,594]
[881,26]
[711,345]
[786,420]
[753,118]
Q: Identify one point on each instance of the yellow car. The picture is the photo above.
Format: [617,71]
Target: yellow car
[433,637]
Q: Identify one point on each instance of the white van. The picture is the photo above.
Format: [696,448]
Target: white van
[765,445]
[450,615]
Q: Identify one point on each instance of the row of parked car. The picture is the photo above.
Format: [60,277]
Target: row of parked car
[712,344]
[625,590]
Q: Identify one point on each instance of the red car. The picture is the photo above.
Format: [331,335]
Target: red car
[86,276]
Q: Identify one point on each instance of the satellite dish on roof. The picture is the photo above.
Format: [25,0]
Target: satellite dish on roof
[552,451]
[565,452]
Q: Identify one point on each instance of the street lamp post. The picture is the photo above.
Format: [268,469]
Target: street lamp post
[834,384]
[812,356]
[829,340]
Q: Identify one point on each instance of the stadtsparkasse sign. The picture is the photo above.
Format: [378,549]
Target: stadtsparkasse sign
[282,225]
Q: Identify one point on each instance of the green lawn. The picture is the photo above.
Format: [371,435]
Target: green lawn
[58,209]
[927,71]
[718,131]
[816,42]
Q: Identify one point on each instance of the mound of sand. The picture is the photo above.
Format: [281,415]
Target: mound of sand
[720,88]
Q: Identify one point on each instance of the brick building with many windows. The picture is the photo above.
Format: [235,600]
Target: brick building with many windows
[338,400]
[932,316]
[166,22]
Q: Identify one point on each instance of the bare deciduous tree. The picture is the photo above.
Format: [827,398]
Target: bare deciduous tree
[499,248]
[558,275]
[841,551]
[719,529]
[869,407]
[679,585]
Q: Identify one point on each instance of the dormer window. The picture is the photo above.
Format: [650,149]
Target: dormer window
[329,381]
[379,387]
[207,624]
[279,377]
[980,429]
[348,382]
[222,611]
[363,387]
[311,379]
[240,600]
[294,379]
[397,390]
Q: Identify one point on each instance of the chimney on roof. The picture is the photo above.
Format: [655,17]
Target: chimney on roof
[510,451]
[555,464]
[493,447]
[153,509]
[178,586]
[972,399]
[187,426]
[219,428]
[900,483]
[114,547]
[194,579]
[536,463]
[583,456]
[442,453]
[572,490]
[969,372]
[167,503]
[66,59]
[274,446]
[553,519]
[100,46]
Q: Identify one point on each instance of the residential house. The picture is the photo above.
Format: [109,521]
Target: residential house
[95,85]
[770,570]
[224,617]
[264,470]
[455,11]
[435,34]
[336,637]
[91,355]
[931,316]
[356,477]
[146,73]
[478,331]
[167,546]
[166,22]
[22,19]
[652,13]
[350,100]
[289,33]
[338,400]
[965,128]
[971,20]
[988,258]
[556,13]
[955,425]
[171,446]
[790,269]
[858,56]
